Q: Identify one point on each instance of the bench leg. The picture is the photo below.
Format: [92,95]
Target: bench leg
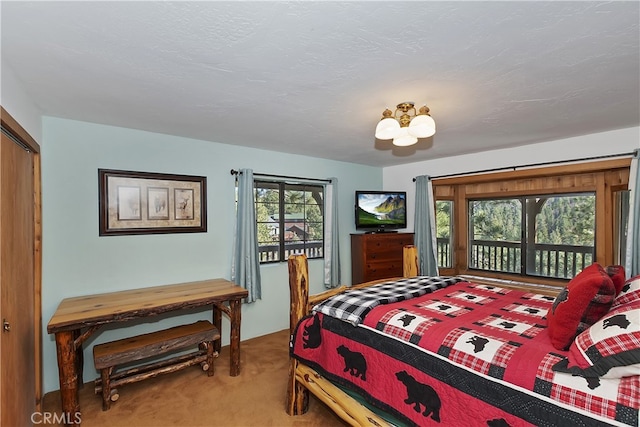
[105,375]
[208,345]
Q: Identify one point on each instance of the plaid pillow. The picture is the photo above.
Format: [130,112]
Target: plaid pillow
[587,298]
[610,348]
[630,292]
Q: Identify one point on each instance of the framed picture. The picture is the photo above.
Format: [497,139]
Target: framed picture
[151,203]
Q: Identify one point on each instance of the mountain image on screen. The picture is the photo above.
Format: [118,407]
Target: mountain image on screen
[379,210]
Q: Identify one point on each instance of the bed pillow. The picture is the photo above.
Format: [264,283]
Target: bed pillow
[630,292]
[617,274]
[586,298]
[610,348]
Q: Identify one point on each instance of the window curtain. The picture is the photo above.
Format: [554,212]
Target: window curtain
[245,267]
[331,235]
[632,262]
[425,227]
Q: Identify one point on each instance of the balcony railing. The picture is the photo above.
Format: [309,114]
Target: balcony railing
[561,261]
[270,253]
[444,252]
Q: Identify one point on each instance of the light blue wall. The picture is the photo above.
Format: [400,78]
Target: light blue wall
[76,261]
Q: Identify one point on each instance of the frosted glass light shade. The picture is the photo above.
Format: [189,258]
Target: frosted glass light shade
[404,138]
[387,128]
[422,126]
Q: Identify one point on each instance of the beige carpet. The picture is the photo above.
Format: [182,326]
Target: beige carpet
[189,398]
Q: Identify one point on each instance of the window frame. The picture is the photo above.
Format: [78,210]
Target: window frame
[578,258]
[603,178]
[282,188]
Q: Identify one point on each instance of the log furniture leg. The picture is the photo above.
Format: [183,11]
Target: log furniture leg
[234,311]
[297,395]
[79,357]
[105,376]
[235,314]
[217,322]
[68,374]
[208,364]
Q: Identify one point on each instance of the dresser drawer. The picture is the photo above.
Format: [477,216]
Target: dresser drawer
[387,247]
[383,270]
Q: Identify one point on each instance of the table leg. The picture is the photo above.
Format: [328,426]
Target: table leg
[79,360]
[235,314]
[217,322]
[67,372]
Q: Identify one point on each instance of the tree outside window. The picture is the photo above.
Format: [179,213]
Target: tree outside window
[290,220]
[546,235]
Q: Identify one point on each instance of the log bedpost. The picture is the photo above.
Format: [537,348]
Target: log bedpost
[297,395]
[410,263]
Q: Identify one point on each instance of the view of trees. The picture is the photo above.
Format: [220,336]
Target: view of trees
[443,218]
[568,220]
[560,220]
[300,208]
[515,226]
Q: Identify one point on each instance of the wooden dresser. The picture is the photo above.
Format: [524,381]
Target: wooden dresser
[377,255]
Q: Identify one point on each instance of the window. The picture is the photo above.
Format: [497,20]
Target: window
[444,212]
[551,236]
[290,220]
[543,225]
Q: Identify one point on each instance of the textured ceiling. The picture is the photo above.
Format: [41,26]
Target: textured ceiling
[313,78]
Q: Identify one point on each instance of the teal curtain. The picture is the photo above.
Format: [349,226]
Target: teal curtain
[425,227]
[245,268]
[331,235]
[632,262]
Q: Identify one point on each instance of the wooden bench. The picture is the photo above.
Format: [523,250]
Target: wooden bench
[108,356]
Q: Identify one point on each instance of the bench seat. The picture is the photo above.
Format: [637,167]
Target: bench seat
[108,356]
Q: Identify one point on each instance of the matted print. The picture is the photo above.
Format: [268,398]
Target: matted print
[150,203]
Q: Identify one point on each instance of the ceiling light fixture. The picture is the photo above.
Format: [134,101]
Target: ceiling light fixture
[405,125]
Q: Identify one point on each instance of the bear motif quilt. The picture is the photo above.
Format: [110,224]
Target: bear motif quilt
[466,354]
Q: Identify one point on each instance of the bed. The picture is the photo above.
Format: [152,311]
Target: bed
[449,351]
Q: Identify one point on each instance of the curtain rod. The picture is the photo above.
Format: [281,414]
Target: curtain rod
[633,153]
[266,175]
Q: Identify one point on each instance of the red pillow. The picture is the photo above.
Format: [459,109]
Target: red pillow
[587,298]
[616,272]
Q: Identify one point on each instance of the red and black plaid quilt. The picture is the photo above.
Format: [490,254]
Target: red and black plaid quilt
[466,354]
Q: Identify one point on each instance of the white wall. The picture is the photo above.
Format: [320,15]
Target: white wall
[15,100]
[76,261]
[400,178]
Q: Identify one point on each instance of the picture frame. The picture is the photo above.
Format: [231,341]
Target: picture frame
[151,203]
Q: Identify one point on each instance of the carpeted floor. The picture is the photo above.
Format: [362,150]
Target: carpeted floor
[189,398]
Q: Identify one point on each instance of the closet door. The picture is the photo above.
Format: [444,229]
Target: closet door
[17,285]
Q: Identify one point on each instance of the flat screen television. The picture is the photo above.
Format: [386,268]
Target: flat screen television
[381,211]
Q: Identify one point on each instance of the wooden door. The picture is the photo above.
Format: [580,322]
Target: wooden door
[19,330]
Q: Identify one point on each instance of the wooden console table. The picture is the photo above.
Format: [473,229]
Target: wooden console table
[93,311]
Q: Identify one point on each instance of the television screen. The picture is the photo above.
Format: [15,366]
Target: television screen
[381,210]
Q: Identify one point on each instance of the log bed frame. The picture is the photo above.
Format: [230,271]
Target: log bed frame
[303,379]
